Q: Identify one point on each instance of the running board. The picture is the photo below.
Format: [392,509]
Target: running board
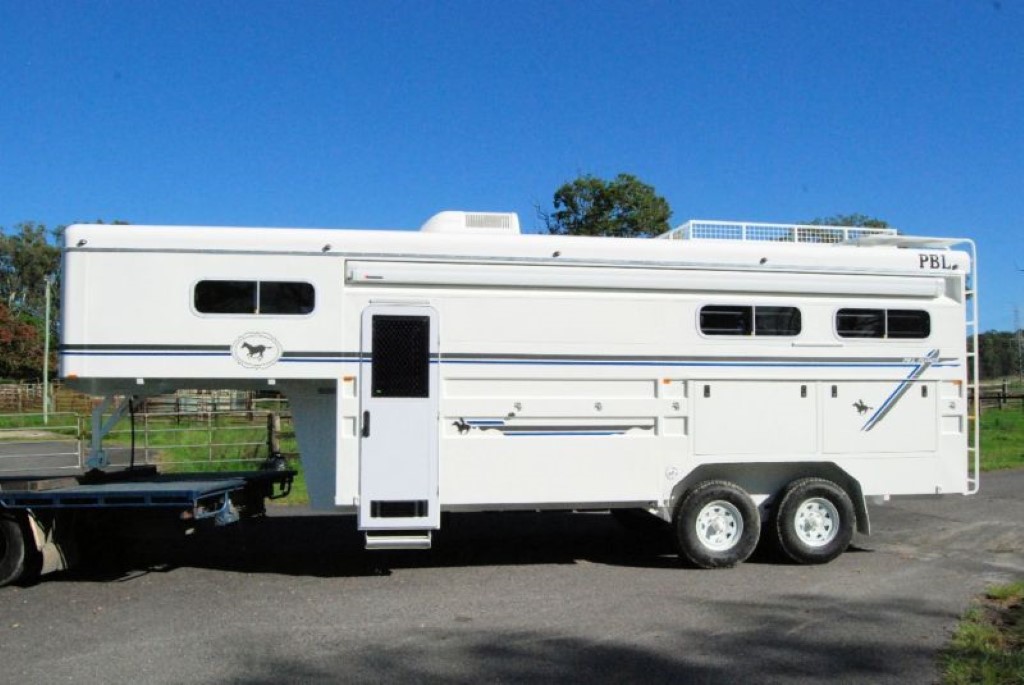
[403,539]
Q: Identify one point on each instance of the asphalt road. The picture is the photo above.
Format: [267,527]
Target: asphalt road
[42,457]
[34,456]
[515,598]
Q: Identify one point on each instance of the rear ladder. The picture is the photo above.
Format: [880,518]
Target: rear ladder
[973,377]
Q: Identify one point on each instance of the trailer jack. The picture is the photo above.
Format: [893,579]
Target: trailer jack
[98,458]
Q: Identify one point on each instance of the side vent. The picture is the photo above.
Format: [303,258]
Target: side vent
[477,223]
[399,509]
[496,221]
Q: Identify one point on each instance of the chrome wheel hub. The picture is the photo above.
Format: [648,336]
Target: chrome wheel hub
[719,525]
[816,522]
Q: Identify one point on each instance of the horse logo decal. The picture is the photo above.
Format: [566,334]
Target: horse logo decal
[256,350]
[861,407]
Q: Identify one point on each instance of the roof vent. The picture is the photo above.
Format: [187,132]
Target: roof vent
[477,223]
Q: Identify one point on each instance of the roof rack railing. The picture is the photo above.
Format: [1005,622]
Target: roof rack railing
[773,233]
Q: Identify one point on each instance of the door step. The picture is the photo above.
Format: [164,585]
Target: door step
[399,539]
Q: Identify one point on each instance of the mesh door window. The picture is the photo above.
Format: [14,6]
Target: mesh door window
[401,356]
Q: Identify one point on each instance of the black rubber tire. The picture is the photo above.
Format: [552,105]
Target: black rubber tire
[728,504]
[836,521]
[12,549]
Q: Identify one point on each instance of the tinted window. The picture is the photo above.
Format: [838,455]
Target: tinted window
[225,297]
[745,320]
[251,297]
[726,320]
[278,297]
[908,323]
[776,321]
[883,323]
[860,323]
[401,356]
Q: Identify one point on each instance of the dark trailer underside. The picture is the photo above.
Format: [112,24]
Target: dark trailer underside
[45,521]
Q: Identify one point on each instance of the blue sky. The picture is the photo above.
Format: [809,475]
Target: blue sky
[379,114]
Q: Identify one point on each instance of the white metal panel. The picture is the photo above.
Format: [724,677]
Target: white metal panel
[558,387]
[553,276]
[327,244]
[754,417]
[314,412]
[131,316]
[910,425]
[553,470]
[567,323]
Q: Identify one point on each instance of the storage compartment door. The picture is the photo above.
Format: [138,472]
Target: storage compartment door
[754,417]
[880,416]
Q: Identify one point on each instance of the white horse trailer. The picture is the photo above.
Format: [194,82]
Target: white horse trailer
[735,380]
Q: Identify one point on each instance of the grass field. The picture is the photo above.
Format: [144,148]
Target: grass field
[62,423]
[1002,439]
[213,444]
[988,645]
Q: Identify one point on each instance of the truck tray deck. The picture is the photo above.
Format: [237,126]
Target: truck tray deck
[149,490]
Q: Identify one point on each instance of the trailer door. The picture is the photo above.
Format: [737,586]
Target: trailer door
[398,395]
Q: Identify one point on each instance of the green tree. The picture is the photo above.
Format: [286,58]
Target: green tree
[997,355]
[623,207]
[21,345]
[27,259]
[857,220]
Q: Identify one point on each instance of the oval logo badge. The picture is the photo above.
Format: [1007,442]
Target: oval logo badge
[256,350]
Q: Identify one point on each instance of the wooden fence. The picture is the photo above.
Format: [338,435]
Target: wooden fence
[998,396]
[23,398]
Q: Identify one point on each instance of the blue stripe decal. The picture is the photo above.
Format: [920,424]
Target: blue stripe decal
[915,367]
[145,354]
[547,434]
[844,365]
[901,389]
[512,430]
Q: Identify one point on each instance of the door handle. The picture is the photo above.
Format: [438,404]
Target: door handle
[366,424]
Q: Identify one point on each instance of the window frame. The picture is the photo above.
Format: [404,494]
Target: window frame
[799,321]
[747,318]
[258,297]
[751,331]
[194,299]
[885,324]
[385,382]
[927,319]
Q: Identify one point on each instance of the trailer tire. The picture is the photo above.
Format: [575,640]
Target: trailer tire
[12,549]
[814,521]
[717,525]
